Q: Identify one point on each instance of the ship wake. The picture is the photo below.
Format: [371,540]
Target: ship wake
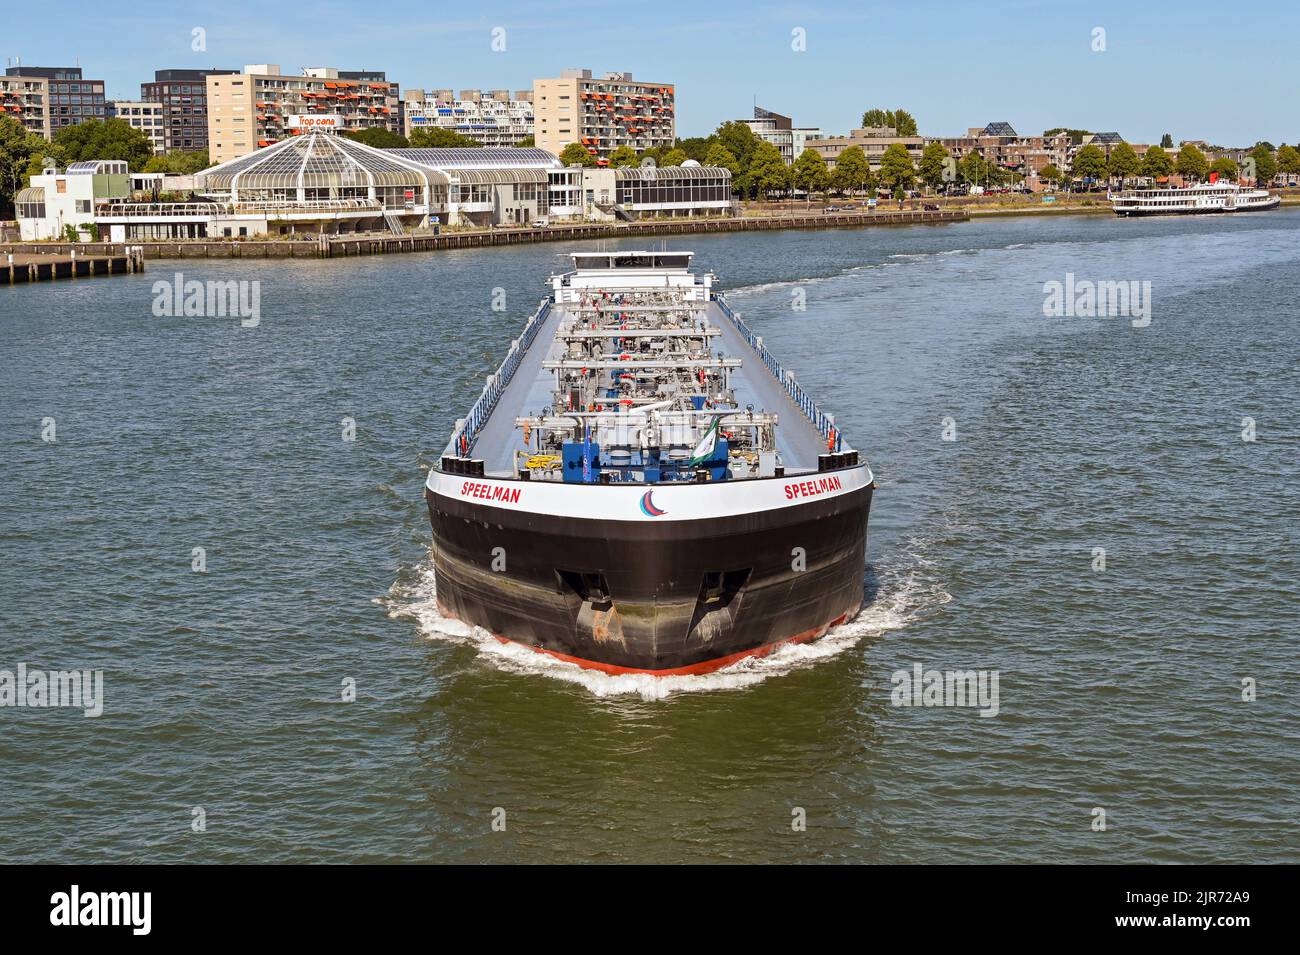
[900,590]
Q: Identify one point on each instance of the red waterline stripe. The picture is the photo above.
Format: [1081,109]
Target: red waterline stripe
[694,669]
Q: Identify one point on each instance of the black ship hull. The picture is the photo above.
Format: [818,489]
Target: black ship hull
[668,598]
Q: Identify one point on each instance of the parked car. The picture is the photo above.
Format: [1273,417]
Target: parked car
[541,222]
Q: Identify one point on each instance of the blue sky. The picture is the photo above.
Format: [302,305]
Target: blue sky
[1196,70]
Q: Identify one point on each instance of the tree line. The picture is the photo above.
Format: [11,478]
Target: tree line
[1091,163]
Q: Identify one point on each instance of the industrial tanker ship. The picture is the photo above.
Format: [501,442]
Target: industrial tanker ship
[641,487]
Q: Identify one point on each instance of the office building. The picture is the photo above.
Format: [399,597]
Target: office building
[781,132]
[873,140]
[56,200]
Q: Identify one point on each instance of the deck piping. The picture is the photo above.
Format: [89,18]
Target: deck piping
[822,421]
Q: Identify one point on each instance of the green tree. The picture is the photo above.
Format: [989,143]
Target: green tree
[575,154]
[1265,164]
[768,170]
[1191,163]
[623,156]
[1123,163]
[720,155]
[1050,173]
[379,137]
[901,120]
[528,142]
[1076,135]
[896,170]
[1166,141]
[101,139]
[18,145]
[1089,163]
[1156,164]
[435,138]
[1288,160]
[739,140]
[695,147]
[852,171]
[972,168]
[934,160]
[179,163]
[809,173]
[1225,167]
[674,157]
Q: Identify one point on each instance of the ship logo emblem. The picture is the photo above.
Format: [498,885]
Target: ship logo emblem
[648,506]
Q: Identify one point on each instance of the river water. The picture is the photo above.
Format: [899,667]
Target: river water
[1119,689]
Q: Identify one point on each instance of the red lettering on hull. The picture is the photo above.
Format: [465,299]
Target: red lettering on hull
[499,493]
[812,488]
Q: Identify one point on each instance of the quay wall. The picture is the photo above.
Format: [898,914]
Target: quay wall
[379,243]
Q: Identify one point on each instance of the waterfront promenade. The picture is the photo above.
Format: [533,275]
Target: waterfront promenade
[381,243]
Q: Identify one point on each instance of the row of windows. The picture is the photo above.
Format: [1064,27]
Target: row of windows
[392,197]
[77,87]
[471,193]
[76,99]
[639,193]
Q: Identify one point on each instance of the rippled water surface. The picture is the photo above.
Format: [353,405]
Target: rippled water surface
[1119,689]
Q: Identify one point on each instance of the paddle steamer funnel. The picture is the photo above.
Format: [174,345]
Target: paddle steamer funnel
[641,486]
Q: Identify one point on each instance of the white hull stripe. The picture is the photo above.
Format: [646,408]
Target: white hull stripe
[641,502]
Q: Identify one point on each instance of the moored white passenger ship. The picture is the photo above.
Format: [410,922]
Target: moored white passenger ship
[1202,198]
[641,487]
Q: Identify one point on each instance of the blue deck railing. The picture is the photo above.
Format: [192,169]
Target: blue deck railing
[800,397]
[462,439]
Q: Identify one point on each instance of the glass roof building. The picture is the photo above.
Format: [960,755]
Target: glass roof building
[341,179]
[481,158]
[324,166]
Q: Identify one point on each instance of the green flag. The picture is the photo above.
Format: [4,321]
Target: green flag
[708,444]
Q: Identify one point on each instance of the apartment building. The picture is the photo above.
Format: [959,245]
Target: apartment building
[261,105]
[490,118]
[69,97]
[781,132]
[183,94]
[146,117]
[873,141]
[1001,145]
[26,99]
[602,113]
